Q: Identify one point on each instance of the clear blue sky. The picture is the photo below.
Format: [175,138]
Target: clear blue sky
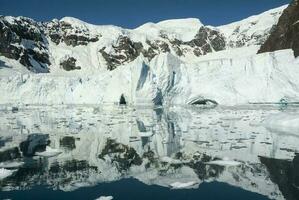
[132,13]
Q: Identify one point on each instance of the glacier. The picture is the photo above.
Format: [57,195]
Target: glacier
[226,77]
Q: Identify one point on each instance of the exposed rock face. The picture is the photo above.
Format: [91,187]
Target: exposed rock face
[21,38]
[285,174]
[121,155]
[10,154]
[286,34]
[68,142]
[70,35]
[69,63]
[207,40]
[126,50]
[33,144]
[241,38]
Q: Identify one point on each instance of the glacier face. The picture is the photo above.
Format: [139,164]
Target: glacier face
[174,62]
[166,80]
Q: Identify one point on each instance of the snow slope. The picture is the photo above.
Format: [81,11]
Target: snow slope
[253,30]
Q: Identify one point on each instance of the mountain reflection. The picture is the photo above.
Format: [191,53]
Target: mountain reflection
[71,147]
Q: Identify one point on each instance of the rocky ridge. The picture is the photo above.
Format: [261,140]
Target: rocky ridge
[285,35]
[34,44]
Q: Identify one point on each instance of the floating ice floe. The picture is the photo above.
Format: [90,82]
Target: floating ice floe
[283,122]
[232,117]
[13,164]
[180,185]
[49,152]
[172,160]
[5,173]
[146,134]
[105,198]
[255,123]
[224,162]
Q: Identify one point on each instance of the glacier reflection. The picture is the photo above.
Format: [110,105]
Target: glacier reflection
[71,147]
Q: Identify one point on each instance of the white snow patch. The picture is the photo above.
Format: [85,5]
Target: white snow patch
[49,152]
[224,162]
[5,173]
[180,185]
[182,29]
[252,27]
[172,160]
[12,164]
[105,198]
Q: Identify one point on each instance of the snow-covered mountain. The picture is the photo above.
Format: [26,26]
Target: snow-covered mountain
[171,62]
[42,47]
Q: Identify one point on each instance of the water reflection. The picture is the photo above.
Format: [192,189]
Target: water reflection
[71,147]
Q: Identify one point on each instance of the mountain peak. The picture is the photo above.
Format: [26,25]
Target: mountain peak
[181,23]
[183,29]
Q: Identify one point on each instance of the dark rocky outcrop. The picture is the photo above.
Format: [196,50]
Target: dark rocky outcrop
[285,174]
[71,166]
[121,155]
[122,100]
[69,63]
[203,170]
[68,142]
[286,34]
[125,51]
[60,31]
[156,47]
[10,154]
[205,40]
[22,38]
[33,144]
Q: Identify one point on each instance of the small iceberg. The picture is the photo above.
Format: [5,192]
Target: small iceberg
[5,173]
[231,118]
[180,185]
[105,198]
[225,162]
[172,160]
[9,165]
[146,134]
[49,152]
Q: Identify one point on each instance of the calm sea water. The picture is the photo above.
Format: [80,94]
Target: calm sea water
[77,152]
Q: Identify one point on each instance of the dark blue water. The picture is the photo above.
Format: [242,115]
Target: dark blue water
[130,189]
